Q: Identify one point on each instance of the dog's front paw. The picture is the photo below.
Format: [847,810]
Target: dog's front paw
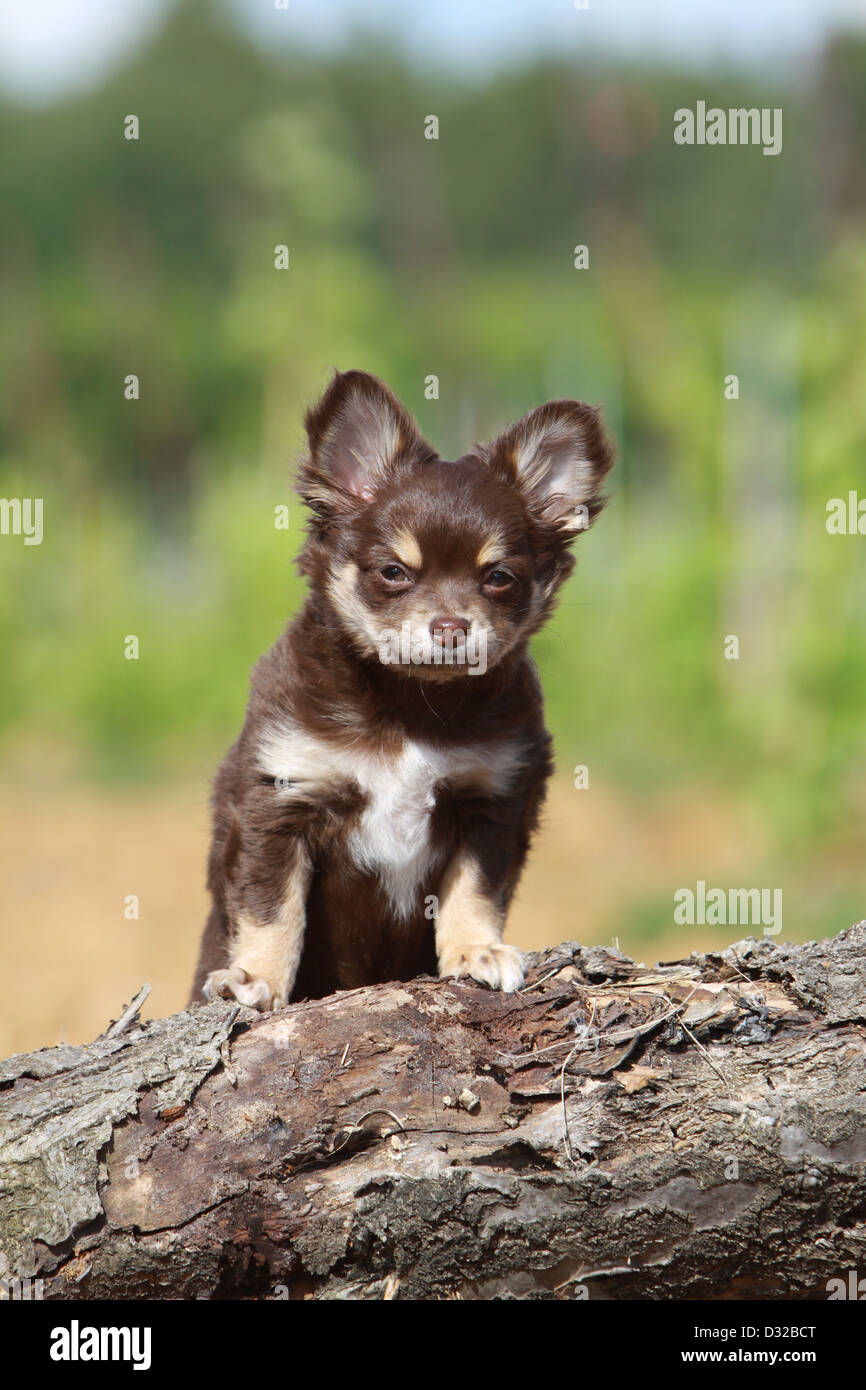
[238,984]
[491,962]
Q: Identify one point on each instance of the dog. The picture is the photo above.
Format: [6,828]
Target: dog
[372,821]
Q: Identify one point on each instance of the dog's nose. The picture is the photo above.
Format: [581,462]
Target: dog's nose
[446,628]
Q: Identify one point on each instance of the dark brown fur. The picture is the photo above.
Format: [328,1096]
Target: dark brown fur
[320,678]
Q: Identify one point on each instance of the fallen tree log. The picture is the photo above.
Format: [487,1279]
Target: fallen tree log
[695,1130]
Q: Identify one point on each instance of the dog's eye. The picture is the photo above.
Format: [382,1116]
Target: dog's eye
[498,579]
[394,574]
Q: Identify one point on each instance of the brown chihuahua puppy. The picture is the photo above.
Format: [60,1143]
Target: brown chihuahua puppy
[372,820]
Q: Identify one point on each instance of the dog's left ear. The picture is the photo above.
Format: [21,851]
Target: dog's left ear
[558,456]
[359,434]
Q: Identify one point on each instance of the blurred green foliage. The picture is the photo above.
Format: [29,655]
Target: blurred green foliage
[454,257]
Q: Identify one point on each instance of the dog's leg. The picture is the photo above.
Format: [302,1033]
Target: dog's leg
[469,926]
[265,938]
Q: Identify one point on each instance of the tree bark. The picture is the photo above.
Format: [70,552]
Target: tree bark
[695,1130]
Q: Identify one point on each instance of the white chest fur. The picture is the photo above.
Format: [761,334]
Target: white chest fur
[392,838]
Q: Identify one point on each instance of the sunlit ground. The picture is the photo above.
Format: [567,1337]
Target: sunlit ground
[604,867]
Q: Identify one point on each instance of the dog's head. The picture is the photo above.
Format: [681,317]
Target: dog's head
[443,568]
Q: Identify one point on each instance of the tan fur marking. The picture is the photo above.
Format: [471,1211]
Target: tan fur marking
[469,929]
[342,590]
[490,550]
[271,951]
[407,549]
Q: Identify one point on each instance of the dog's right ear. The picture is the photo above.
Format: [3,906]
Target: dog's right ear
[359,434]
